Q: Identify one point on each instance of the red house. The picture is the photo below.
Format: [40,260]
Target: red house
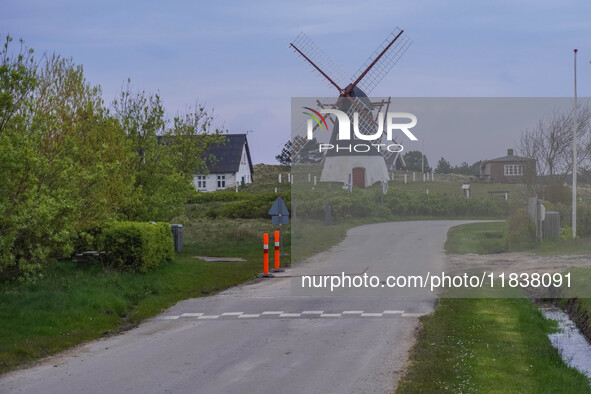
[508,169]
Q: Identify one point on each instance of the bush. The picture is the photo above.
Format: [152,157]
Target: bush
[521,231]
[583,220]
[557,192]
[565,210]
[135,246]
[221,195]
[248,209]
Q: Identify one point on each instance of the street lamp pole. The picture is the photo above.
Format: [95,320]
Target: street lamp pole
[574,203]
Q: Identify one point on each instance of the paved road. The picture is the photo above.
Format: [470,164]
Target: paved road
[267,336]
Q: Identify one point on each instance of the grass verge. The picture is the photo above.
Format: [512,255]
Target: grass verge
[557,247]
[479,238]
[490,237]
[488,345]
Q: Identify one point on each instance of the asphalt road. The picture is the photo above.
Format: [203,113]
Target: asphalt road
[268,336]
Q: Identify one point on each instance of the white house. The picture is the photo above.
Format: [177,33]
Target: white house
[232,165]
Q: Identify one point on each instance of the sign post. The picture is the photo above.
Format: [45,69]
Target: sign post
[280,216]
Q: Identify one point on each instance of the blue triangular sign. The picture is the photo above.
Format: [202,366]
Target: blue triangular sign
[279,208]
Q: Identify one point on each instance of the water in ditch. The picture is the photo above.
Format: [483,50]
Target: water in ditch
[571,344]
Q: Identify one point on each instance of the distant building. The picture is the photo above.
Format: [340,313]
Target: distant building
[508,169]
[232,165]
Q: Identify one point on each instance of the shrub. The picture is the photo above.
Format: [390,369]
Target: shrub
[135,246]
[557,192]
[583,220]
[221,195]
[248,209]
[521,231]
[565,210]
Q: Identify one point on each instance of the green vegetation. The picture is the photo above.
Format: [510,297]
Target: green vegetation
[75,303]
[451,185]
[568,246]
[135,246]
[488,345]
[68,164]
[479,238]
[495,344]
[515,235]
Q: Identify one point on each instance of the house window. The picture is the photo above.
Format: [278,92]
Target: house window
[201,184]
[513,169]
[221,181]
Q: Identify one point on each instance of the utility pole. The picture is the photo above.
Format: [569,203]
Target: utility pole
[422,157]
[574,213]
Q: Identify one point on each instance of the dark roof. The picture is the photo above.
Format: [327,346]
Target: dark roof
[510,158]
[228,154]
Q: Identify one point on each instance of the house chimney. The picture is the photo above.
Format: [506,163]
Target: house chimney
[509,152]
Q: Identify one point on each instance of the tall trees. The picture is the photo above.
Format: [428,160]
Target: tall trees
[443,167]
[38,200]
[550,143]
[416,161]
[67,165]
[167,155]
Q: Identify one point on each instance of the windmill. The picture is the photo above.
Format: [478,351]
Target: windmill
[342,165]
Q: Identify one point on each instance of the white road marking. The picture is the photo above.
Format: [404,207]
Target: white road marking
[413,314]
[304,314]
[393,312]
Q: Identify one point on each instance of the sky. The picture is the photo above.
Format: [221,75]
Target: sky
[233,56]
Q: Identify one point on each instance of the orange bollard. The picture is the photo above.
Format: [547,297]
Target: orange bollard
[266,273]
[266,253]
[276,250]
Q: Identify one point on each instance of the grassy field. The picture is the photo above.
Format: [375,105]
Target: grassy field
[477,190]
[564,247]
[479,238]
[489,238]
[487,345]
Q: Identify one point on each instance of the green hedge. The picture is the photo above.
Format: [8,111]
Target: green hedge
[220,195]
[397,202]
[137,246]
[359,204]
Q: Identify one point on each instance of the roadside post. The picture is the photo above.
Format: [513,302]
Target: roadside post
[277,263]
[280,216]
[266,273]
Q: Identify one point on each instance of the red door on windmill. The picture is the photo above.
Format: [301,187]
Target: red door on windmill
[359,177]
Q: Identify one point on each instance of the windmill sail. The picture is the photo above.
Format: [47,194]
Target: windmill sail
[367,166]
[398,43]
[321,63]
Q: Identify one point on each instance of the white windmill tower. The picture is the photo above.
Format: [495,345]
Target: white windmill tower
[363,168]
